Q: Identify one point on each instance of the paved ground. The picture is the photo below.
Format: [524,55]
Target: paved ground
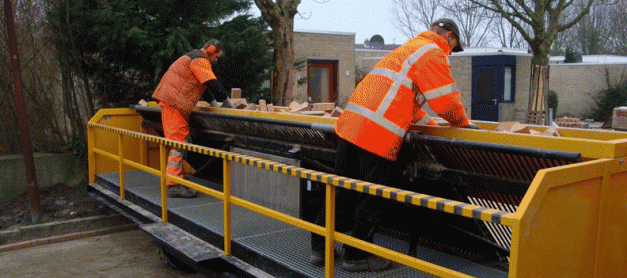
[126,254]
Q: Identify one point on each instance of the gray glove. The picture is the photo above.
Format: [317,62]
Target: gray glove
[473,126]
[228,103]
[214,103]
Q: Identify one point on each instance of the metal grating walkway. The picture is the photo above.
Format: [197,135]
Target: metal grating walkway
[271,245]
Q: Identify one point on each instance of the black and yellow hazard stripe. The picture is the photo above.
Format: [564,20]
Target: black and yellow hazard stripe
[409,197]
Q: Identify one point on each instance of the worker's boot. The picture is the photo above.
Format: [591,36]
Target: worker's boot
[316,258]
[179,191]
[371,263]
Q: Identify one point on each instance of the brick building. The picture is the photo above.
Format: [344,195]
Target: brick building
[494,82]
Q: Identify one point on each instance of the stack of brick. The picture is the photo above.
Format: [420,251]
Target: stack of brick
[517,127]
[570,122]
[324,109]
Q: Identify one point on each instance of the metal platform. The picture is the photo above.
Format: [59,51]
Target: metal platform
[275,247]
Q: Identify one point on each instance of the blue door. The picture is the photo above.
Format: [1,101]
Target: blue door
[493,82]
[485,105]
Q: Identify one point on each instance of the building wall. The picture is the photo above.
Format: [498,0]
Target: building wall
[576,84]
[338,47]
[461,70]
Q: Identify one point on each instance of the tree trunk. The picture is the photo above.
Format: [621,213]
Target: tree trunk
[538,109]
[283,73]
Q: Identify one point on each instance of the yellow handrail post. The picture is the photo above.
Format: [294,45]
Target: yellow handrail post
[329,242]
[226,187]
[121,164]
[91,155]
[164,195]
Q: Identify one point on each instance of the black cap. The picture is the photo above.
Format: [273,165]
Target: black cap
[449,24]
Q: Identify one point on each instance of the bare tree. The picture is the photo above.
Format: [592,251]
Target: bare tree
[505,34]
[39,71]
[412,17]
[618,25]
[545,19]
[279,15]
[474,24]
[592,34]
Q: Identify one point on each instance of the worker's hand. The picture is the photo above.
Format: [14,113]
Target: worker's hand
[473,126]
[214,103]
[228,103]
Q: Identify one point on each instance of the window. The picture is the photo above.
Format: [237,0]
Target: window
[507,89]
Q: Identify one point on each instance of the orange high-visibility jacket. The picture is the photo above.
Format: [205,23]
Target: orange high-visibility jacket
[183,84]
[389,99]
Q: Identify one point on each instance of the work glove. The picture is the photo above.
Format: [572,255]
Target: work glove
[473,126]
[214,103]
[228,103]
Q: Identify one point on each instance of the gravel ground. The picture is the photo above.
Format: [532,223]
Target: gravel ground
[58,203]
[122,254]
[125,254]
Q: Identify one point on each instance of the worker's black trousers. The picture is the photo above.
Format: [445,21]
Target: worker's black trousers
[355,211]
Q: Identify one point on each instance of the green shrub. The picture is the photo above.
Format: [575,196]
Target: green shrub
[553,101]
[615,95]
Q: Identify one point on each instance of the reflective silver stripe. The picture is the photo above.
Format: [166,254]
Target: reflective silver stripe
[414,57]
[385,123]
[424,120]
[440,92]
[399,79]
[421,99]
[175,164]
[175,153]
[402,78]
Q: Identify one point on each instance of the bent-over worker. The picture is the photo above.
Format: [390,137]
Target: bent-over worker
[373,125]
[188,79]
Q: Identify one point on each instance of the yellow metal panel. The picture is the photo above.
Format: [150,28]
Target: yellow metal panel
[602,146]
[124,118]
[559,215]
[611,254]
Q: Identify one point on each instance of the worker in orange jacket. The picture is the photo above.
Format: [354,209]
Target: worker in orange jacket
[373,125]
[188,79]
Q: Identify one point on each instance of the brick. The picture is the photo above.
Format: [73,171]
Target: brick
[262,105]
[270,107]
[302,107]
[323,106]
[293,105]
[281,108]
[534,132]
[312,113]
[515,127]
[551,131]
[251,106]
[236,93]
[336,112]
[239,103]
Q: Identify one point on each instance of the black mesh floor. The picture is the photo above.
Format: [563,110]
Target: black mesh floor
[269,244]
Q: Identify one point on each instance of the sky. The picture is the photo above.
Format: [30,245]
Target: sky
[365,18]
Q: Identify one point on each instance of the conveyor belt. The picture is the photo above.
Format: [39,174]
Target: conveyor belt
[500,160]
[295,132]
[485,174]
[512,166]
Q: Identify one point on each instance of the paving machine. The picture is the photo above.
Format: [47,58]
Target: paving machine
[479,203]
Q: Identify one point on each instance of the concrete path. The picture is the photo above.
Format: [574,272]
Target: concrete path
[124,254]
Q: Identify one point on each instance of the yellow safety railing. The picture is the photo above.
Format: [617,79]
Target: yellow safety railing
[331,181]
